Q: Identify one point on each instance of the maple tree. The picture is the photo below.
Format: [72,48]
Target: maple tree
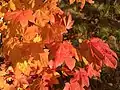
[37,57]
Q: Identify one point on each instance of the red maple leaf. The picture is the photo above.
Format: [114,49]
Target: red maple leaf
[67,86]
[72,86]
[82,77]
[78,82]
[91,71]
[63,52]
[98,53]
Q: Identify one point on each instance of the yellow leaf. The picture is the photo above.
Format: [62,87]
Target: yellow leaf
[24,67]
[37,39]
[2,73]
[12,5]
[84,60]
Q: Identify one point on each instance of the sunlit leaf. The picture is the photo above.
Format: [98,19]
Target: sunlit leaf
[22,16]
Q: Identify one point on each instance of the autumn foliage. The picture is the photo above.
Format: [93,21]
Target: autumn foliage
[36,55]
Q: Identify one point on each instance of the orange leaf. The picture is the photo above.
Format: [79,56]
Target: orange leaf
[30,33]
[52,33]
[68,21]
[63,52]
[82,2]
[41,17]
[20,16]
[70,62]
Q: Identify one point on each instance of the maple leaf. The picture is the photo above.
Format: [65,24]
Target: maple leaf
[70,62]
[82,77]
[35,3]
[41,17]
[12,5]
[72,86]
[52,33]
[25,51]
[30,33]
[98,53]
[52,18]
[47,12]
[68,21]
[91,71]
[20,79]
[79,80]
[50,77]
[82,2]
[63,52]
[9,44]
[22,16]
[23,67]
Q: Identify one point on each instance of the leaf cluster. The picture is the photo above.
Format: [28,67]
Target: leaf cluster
[52,44]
